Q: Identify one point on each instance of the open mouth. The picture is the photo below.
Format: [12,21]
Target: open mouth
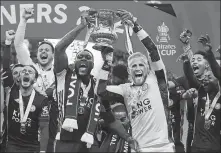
[138,75]
[83,66]
[26,79]
[195,68]
[44,56]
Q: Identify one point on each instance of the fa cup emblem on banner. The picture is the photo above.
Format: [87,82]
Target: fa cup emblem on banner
[163,35]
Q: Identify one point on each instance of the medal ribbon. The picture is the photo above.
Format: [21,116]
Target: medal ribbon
[209,108]
[24,115]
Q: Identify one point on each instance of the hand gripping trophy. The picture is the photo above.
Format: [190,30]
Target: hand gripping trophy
[103,28]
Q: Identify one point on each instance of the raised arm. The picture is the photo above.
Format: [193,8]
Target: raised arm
[22,51]
[205,40]
[61,60]
[7,58]
[157,63]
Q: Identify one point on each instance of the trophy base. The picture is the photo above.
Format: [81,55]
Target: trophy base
[103,47]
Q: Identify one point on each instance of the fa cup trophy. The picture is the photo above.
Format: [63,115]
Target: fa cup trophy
[102,29]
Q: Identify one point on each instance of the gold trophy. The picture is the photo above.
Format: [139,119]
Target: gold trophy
[102,29]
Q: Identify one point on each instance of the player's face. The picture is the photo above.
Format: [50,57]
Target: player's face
[45,54]
[209,80]
[122,117]
[27,77]
[16,74]
[138,71]
[199,65]
[84,63]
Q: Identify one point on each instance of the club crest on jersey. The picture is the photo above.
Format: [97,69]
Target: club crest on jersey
[217,106]
[145,86]
[33,108]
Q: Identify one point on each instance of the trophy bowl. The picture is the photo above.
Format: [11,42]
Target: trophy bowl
[103,33]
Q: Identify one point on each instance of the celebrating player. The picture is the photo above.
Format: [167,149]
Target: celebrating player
[146,96]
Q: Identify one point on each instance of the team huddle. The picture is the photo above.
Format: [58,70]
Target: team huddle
[50,106]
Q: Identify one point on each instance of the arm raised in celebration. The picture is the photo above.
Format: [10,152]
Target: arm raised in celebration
[61,60]
[22,51]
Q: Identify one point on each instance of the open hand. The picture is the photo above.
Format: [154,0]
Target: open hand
[205,41]
[27,13]
[86,16]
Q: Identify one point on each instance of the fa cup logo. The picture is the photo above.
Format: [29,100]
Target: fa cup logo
[163,35]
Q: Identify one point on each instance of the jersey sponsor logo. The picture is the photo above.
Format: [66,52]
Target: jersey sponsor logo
[16,118]
[45,111]
[212,118]
[140,108]
[33,108]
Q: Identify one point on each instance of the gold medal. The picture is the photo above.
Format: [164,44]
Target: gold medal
[23,128]
[207,124]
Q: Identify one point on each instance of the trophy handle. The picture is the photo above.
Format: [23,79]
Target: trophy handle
[89,31]
[128,42]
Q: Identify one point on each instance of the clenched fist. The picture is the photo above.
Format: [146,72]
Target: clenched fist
[27,13]
[10,35]
[191,93]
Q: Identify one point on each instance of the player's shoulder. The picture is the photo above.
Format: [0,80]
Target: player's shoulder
[39,96]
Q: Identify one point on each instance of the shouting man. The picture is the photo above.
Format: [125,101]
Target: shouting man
[146,96]
[205,87]
[79,108]
[27,112]
[44,66]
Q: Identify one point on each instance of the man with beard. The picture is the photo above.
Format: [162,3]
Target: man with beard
[79,108]
[27,112]
[11,82]
[204,87]
[45,82]
[143,97]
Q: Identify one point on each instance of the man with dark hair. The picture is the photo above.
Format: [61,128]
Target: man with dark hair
[204,87]
[45,82]
[79,107]
[27,112]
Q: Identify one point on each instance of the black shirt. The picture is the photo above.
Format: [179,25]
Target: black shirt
[38,113]
[203,138]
